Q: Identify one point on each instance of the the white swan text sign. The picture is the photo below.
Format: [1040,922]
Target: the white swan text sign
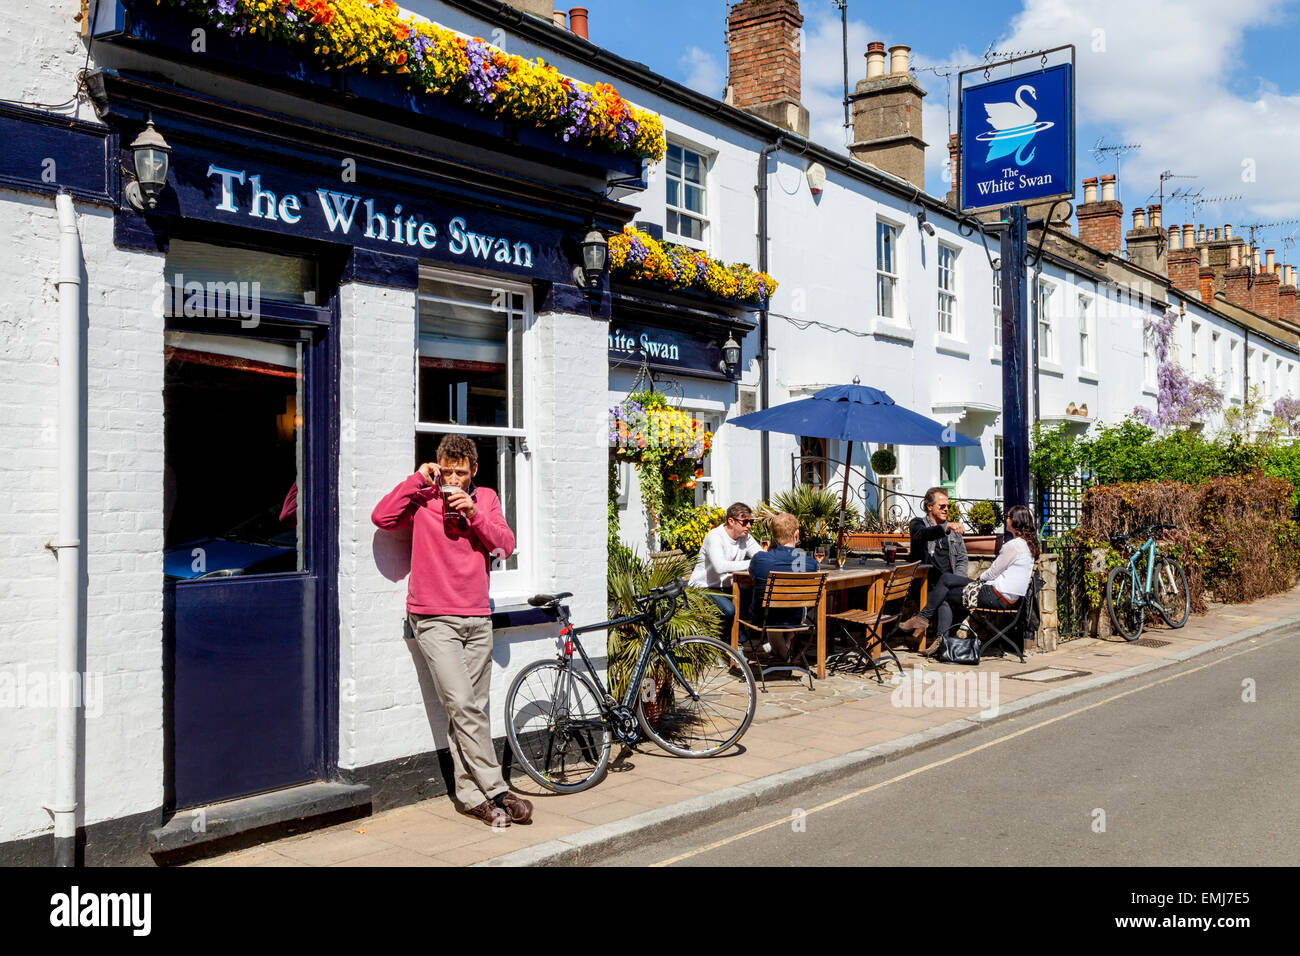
[1018,139]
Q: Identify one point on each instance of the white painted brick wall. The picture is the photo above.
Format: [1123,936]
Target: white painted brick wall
[388,707]
[124,745]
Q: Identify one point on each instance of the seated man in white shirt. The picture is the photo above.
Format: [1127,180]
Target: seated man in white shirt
[725,550]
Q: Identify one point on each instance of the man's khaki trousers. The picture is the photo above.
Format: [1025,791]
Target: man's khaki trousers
[459,652]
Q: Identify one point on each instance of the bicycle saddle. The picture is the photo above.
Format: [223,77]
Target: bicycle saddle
[543,600]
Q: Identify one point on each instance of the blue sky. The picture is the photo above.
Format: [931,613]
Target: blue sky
[1209,89]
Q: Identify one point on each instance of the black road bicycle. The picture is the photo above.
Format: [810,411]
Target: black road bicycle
[693,696]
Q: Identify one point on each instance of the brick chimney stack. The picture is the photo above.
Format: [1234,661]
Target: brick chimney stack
[1236,277]
[1266,286]
[538,8]
[1287,304]
[1206,277]
[1146,240]
[954,170]
[763,70]
[1101,222]
[887,116]
[1184,262]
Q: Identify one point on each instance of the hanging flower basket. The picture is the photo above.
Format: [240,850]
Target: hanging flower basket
[680,441]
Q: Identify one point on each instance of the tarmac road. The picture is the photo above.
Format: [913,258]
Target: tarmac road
[1176,768]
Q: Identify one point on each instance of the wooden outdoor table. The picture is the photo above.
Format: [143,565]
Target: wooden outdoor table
[871,576]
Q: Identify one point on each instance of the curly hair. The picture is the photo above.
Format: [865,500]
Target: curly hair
[457,448]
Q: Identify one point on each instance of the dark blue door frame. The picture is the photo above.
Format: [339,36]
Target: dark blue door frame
[216,772]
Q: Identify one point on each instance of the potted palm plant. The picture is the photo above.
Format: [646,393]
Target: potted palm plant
[818,511]
[630,576]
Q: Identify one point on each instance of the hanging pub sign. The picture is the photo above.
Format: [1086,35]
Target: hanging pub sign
[1017,137]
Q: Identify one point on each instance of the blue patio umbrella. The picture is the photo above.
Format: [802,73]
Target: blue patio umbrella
[852,413]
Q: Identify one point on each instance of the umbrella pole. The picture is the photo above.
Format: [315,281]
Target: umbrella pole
[844,499]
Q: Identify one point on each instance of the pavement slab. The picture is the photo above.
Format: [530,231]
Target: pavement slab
[846,723]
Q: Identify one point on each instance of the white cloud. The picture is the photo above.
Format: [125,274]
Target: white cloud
[703,71]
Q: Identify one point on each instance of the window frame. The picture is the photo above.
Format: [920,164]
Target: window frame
[997,308]
[950,291]
[504,583]
[1046,292]
[680,210]
[885,276]
[999,466]
[1087,331]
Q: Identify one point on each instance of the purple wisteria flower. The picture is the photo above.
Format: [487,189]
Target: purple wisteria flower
[1288,409]
[1180,401]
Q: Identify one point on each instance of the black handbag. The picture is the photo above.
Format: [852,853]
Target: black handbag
[959,650]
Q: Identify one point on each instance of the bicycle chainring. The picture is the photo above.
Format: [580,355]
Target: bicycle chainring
[625,724]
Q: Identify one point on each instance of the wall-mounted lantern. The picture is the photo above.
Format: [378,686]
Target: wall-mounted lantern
[151,156]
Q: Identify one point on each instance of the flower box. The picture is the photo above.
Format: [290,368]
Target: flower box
[526,102]
[981,543]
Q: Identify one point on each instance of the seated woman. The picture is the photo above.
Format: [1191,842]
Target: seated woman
[1006,582]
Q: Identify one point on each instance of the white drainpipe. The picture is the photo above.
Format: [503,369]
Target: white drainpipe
[71,555]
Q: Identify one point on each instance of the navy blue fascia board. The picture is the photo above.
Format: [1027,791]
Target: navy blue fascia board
[45,152]
[166,32]
[380,268]
[130,100]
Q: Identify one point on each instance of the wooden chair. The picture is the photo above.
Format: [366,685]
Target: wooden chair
[1017,619]
[876,626]
[787,589]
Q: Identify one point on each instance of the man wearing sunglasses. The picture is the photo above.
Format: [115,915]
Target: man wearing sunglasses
[725,550]
[938,543]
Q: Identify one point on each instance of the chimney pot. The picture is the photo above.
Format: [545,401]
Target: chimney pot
[1290,275]
[578,21]
[1200,233]
[1155,216]
[1175,239]
[898,57]
[1254,254]
[1268,260]
[1090,189]
[1205,257]
[875,60]
[1218,233]
[1139,218]
[560,19]
[1234,257]
[1277,270]
[1108,188]
[1227,231]
[1189,236]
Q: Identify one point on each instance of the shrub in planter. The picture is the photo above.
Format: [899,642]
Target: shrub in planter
[984,517]
[884,461]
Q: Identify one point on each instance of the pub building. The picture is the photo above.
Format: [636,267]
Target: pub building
[333,274]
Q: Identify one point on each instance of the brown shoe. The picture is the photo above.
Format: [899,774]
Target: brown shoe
[916,624]
[489,813]
[520,810]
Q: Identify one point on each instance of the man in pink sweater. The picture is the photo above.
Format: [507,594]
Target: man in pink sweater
[457,530]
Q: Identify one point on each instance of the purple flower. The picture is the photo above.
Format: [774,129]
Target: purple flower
[226,7]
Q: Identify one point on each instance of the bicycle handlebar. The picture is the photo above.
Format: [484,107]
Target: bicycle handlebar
[668,592]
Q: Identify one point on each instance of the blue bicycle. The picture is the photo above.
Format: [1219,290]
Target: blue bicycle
[1148,579]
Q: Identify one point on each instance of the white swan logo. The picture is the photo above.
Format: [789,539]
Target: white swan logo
[1014,126]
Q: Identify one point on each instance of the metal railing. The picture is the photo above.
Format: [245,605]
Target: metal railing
[1073,562]
[900,507]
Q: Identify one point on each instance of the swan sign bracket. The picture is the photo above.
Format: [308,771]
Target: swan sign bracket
[1017,133]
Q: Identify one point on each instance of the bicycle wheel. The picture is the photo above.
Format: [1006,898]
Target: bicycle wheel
[1125,613]
[556,727]
[1170,587]
[726,698]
